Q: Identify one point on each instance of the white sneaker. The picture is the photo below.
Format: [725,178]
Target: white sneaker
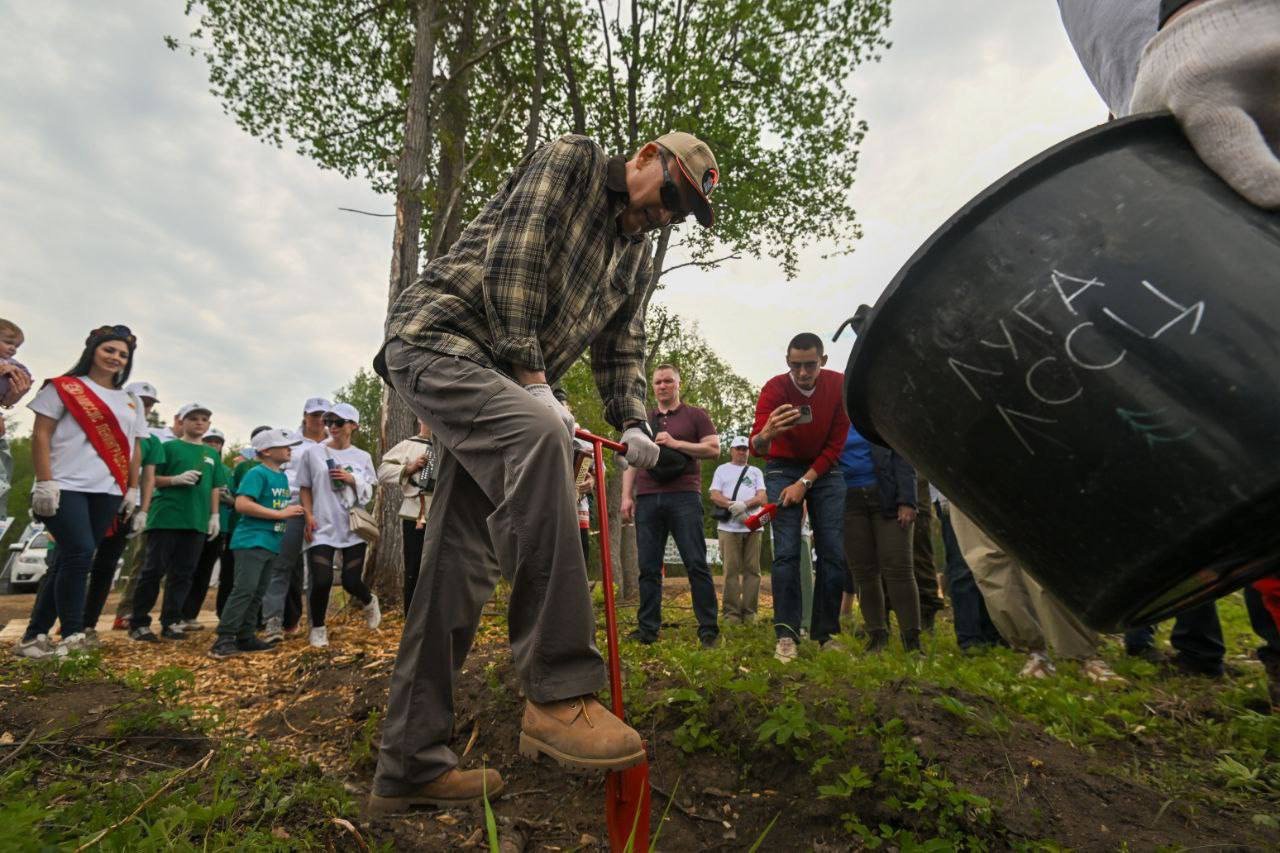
[72,645]
[38,648]
[785,651]
[373,613]
[319,638]
[1038,665]
[1097,671]
[190,626]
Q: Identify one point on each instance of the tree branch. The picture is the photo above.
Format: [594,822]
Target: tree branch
[613,86]
[462,176]
[367,213]
[385,115]
[704,264]
[481,56]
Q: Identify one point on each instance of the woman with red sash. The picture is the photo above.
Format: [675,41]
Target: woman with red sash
[85,451]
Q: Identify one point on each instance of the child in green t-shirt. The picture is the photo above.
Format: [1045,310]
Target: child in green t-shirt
[262,501]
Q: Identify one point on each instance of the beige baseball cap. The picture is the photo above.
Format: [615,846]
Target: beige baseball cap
[698,165]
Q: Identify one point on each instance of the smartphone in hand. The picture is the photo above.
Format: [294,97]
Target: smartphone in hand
[806,414]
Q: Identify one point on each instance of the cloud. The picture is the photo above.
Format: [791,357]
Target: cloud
[128,196]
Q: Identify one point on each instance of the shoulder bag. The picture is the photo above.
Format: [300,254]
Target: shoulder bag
[721,513]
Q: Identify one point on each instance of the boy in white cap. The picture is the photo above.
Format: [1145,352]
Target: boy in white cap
[184,513]
[263,506]
[282,603]
[334,477]
[214,549]
[152,455]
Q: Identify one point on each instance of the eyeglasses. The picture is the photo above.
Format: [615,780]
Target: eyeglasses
[334,422]
[114,331]
[670,194]
[803,366]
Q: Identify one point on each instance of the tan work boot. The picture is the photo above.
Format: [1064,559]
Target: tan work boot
[455,787]
[579,733]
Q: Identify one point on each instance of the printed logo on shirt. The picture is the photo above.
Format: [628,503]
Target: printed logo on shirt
[208,461]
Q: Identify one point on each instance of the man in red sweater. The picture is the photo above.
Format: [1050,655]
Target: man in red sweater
[800,429]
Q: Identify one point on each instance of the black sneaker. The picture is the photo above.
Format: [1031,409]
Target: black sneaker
[172,632]
[709,641]
[641,637]
[253,644]
[143,634]
[224,648]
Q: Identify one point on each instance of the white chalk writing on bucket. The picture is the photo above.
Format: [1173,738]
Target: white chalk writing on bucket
[1006,359]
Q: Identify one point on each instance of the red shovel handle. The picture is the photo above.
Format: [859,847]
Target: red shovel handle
[603,442]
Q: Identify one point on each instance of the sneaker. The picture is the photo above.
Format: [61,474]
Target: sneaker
[35,649]
[293,631]
[253,644]
[642,638]
[121,623]
[143,634]
[319,638]
[911,641]
[785,651]
[579,733]
[225,647]
[877,641]
[373,613]
[834,645]
[274,633]
[1097,671]
[710,641]
[454,788]
[190,625]
[173,632]
[74,644]
[1150,654]
[91,638]
[1038,665]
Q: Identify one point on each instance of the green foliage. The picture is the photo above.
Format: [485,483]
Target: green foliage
[363,753]
[767,85]
[364,391]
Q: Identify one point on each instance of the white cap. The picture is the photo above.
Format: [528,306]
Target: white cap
[346,411]
[739,441]
[270,438]
[214,432]
[191,408]
[316,404]
[143,389]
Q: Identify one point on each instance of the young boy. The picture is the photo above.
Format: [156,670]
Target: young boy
[183,514]
[262,501]
[15,379]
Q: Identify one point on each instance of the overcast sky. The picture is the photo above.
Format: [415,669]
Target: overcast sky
[127,196]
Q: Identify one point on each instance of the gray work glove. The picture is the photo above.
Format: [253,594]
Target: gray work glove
[642,450]
[1215,67]
[541,392]
[186,478]
[137,524]
[129,502]
[738,510]
[45,497]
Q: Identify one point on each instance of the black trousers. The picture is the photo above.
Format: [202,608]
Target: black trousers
[103,572]
[320,562]
[209,554]
[171,555]
[413,538]
[226,576]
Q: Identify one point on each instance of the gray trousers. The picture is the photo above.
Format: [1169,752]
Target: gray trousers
[504,501]
[281,569]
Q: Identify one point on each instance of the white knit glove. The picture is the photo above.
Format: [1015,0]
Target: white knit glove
[215,526]
[738,510]
[186,478]
[541,392]
[137,524]
[129,502]
[1215,67]
[45,496]
[642,451]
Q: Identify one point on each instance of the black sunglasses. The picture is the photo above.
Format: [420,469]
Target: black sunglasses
[670,194]
[332,422]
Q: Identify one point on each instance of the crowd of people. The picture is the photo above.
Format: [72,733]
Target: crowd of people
[109,485]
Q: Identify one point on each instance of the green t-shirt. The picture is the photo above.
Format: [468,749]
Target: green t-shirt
[152,451]
[186,507]
[224,508]
[237,477]
[269,489]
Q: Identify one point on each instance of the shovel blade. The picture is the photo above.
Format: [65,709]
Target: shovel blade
[627,809]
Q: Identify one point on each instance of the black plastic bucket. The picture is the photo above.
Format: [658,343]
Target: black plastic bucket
[1086,359]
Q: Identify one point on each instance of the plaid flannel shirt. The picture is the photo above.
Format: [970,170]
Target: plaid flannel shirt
[541,274]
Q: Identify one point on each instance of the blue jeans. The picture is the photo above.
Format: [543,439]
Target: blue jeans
[78,526]
[1196,637]
[680,515]
[973,624]
[825,501]
[275,599]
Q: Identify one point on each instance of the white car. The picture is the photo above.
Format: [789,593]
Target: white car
[29,565]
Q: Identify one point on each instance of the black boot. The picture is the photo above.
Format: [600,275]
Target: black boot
[911,641]
[878,642]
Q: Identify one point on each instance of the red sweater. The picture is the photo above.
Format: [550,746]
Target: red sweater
[816,444]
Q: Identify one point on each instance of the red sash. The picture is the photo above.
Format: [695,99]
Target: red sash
[99,424]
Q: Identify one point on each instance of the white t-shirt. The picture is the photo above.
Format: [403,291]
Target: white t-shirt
[329,506]
[77,467]
[724,480]
[290,468]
